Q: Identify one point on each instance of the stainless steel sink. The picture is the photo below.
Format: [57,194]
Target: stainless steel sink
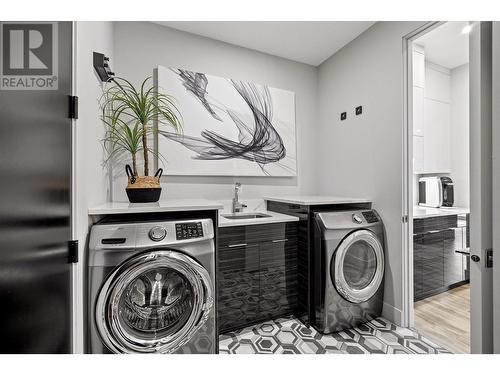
[256,215]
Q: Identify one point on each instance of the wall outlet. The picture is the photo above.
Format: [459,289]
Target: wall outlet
[343,116]
[359,110]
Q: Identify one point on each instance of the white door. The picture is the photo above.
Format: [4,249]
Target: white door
[481,307]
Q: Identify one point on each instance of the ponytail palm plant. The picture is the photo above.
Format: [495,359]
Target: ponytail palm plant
[132,116]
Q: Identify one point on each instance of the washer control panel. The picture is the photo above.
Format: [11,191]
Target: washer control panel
[370,217]
[185,231]
[142,235]
[157,233]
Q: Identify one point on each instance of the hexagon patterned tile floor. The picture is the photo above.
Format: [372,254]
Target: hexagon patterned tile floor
[290,336]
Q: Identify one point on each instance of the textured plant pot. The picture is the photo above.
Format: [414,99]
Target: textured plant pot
[143,189]
[143,195]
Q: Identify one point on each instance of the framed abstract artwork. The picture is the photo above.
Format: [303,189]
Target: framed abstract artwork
[230,127]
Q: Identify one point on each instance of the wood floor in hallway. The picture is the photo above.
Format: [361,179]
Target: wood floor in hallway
[445,319]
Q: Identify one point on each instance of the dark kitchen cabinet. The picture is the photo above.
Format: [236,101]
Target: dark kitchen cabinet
[428,266]
[437,264]
[239,285]
[278,277]
[257,273]
[454,268]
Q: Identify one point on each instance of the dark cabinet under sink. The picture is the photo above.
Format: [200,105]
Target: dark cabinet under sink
[257,273]
[438,260]
[278,277]
[238,279]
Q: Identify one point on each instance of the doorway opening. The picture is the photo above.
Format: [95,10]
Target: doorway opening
[439,175]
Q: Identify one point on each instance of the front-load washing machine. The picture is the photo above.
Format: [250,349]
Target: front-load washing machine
[151,287]
[348,269]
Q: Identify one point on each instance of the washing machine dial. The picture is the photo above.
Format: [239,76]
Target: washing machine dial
[357,219]
[157,233]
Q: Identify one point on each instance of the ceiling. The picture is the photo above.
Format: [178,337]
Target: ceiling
[306,42]
[446,45]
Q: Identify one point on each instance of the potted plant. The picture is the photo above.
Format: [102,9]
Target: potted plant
[133,117]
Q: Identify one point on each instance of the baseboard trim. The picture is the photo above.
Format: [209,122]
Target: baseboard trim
[391,313]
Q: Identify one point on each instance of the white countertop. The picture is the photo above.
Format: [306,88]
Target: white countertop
[274,217]
[423,212]
[312,200]
[168,205]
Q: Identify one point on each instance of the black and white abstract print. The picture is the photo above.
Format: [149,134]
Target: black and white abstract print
[231,127]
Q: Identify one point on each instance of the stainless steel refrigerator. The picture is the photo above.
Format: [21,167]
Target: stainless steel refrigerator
[35,187]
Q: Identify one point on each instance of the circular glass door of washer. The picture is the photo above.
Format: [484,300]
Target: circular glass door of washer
[358,266]
[159,300]
[154,303]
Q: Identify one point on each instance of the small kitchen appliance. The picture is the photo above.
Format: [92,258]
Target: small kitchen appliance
[435,191]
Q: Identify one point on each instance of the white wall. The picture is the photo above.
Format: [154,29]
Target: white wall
[141,46]
[92,185]
[362,156]
[459,137]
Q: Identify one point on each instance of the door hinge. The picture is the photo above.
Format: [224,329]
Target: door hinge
[73,107]
[73,251]
[405,218]
[489,258]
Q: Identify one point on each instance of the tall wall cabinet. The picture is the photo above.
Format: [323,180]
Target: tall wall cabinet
[431,115]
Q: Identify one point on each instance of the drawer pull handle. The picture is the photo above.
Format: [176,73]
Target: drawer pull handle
[282,240]
[237,245]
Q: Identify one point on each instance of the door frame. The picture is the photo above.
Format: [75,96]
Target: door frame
[77,294]
[496,181]
[481,147]
[481,317]
[407,310]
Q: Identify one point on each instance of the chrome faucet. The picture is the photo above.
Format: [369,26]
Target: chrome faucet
[237,205]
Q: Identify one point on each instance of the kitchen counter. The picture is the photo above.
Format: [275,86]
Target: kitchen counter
[169,205]
[420,212]
[315,200]
[274,217]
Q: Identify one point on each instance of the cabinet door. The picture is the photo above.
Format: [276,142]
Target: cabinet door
[239,285]
[418,111]
[257,273]
[278,277]
[417,266]
[418,154]
[437,83]
[453,261]
[418,69]
[437,137]
[432,263]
